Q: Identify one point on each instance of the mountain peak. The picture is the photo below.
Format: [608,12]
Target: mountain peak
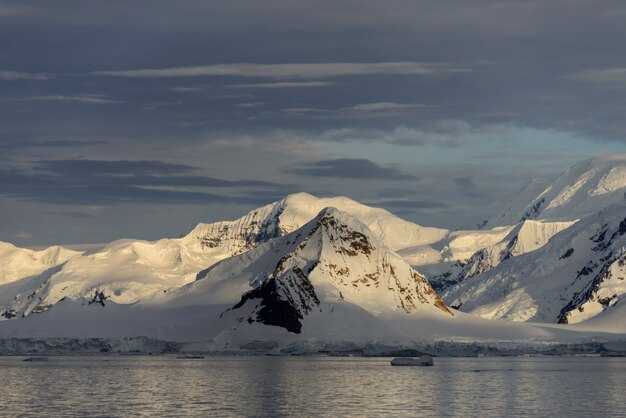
[333,259]
[581,190]
[294,211]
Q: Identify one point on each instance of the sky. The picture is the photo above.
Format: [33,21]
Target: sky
[142,118]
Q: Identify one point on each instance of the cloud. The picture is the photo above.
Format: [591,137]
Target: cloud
[351,168]
[54,143]
[318,70]
[112,167]
[468,186]
[358,111]
[185,89]
[382,106]
[441,134]
[305,110]
[23,235]
[78,98]
[75,215]
[408,204]
[282,85]
[251,105]
[608,76]
[96,182]
[17,75]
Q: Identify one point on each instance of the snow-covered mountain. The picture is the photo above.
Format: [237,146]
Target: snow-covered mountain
[334,261]
[129,270]
[463,254]
[579,274]
[292,212]
[524,237]
[18,263]
[581,190]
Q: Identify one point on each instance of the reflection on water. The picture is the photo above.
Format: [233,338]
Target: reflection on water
[311,386]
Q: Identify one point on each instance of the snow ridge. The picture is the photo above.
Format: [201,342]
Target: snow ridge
[581,190]
[579,274]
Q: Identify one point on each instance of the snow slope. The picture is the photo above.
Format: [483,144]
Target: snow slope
[463,254]
[581,190]
[525,237]
[579,274]
[18,263]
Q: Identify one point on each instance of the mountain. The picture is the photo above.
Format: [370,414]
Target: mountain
[331,284]
[578,275]
[292,212]
[18,263]
[523,238]
[332,262]
[581,190]
[129,270]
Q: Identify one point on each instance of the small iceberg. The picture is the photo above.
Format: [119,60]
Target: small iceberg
[424,360]
[36,359]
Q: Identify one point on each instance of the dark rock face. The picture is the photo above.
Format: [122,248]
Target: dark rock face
[282,302]
[98,298]
[533,212]
[599,271]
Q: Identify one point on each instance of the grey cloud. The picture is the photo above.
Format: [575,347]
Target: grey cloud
[382,106]
[607,76]
[520,55]
[251,105]
[53,143]
[74,215]
[408,204]
[468,186]
[96,182]
[91,167]
[295,70]
[282,85]
[78,98]
[449,136]
[85,182]
[352,168]
[17,75]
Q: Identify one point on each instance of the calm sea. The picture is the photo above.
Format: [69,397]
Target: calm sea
[312,386]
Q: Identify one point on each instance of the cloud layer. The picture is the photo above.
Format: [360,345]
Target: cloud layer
[290,70]
[203,109]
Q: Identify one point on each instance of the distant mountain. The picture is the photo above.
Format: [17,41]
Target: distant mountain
[332,260]
[579,274]
[581,190]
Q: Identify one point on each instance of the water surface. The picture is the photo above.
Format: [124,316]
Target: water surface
[312,386]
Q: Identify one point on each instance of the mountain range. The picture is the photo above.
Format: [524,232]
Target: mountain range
[550,266]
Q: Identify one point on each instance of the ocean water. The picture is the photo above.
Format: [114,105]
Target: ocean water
[312,386]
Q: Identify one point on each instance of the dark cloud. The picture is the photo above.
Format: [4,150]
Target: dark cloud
[117,167]
[468,186]
[97,182]
[209,104]
[74,215]
[351,168]
[59,143]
